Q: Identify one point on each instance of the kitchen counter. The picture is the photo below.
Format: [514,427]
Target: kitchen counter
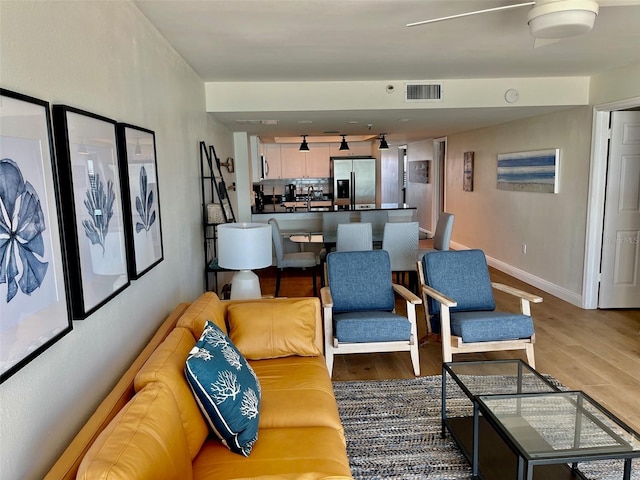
[311,221]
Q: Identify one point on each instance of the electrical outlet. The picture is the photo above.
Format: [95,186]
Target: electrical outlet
[524,248]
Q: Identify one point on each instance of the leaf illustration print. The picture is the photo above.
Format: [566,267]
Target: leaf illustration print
[144,204]
[21,227]
[99,204]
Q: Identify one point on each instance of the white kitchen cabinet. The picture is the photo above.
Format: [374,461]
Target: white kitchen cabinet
[273,161]
[317,162]
[356,149]
[293,161]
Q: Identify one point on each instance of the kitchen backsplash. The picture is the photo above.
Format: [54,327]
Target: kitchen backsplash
[277,186]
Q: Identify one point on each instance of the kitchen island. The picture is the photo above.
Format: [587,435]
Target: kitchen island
[311,220]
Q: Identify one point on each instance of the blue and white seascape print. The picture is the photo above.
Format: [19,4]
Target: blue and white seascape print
[535,171]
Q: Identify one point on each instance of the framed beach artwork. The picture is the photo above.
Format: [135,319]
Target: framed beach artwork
[140,199]
[34,310]
[467,179]
[535,171]
[91,197]
[418,171]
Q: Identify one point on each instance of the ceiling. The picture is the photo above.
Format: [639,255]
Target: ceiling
[367,40]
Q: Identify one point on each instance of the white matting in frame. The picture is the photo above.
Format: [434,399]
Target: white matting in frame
[34,312]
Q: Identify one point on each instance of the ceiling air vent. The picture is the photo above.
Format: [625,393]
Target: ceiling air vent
[423,92]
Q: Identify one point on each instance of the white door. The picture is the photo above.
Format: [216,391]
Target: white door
[620,269]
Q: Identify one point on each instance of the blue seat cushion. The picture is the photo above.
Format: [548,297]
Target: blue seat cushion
[490,326]
[373,326]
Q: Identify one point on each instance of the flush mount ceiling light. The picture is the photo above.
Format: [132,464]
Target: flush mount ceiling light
[383,142]
[344,145]
[304,146]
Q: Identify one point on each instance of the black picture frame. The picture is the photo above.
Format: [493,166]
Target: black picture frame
[140,198]
[34,306]
[91,194]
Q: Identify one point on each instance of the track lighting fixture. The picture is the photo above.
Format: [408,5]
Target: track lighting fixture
[383,143]
[304,146]
[344,145]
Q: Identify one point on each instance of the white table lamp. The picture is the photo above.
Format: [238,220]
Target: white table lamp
[243,247]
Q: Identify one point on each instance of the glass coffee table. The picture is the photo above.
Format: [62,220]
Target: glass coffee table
[512,419]
[559,428]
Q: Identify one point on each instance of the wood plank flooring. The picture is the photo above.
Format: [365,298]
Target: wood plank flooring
[597,351]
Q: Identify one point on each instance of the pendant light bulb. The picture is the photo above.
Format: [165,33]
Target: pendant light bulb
[344,145]
[383,142]
[304,146]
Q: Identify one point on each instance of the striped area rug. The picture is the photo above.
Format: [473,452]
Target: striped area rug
[393,430]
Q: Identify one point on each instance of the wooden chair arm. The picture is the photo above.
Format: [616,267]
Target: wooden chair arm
[516,292]
[325,297]
[407,294]
[439,297]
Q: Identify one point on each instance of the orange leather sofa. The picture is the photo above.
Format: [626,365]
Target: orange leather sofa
[150,426]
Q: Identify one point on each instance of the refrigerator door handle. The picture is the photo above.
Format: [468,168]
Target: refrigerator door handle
[353,189]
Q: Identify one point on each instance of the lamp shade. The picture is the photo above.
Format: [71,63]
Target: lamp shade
[244,246]
[343,144]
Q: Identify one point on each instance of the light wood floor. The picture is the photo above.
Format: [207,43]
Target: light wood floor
[597,351]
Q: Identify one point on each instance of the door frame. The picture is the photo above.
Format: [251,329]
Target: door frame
[439,183]
[596,200]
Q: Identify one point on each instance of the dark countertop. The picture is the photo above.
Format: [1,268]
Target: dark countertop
[279,208]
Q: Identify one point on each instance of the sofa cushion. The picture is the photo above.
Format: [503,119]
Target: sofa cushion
[206,307]
[166,365]
[145,441]
[271,330]
[226,388]
[280,451]
[296,392]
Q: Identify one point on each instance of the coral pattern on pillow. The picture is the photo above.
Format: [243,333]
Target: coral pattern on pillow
[226,389]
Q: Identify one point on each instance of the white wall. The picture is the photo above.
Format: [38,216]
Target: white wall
[420,195]
[104,57]
[551,225]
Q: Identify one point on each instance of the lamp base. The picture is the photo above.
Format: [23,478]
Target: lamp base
[245,285]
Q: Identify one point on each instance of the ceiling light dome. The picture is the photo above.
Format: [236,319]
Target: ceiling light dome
[562,18]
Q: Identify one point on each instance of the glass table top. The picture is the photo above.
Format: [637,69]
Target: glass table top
[560,424]
[498,377]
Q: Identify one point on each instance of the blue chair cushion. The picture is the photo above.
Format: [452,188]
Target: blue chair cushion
[490,326]
[360,281]
[374,326]
[226,389]
[462,275]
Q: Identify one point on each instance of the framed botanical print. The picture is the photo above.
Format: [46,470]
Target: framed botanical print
[141,202]
[34,310]
[91,195]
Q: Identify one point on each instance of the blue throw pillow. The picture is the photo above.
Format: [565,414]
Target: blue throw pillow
[226,389]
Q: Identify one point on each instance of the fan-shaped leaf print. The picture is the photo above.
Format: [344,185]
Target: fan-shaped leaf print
[21,226]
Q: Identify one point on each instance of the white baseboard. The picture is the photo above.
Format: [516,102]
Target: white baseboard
[544,285]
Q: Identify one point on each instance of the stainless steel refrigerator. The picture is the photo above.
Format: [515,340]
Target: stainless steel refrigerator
[354,182]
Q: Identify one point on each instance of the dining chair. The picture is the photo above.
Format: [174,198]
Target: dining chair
[400,240]
[377,219]
[354,237]
[359,308]
[462,308]
[442,235]
[302,260]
